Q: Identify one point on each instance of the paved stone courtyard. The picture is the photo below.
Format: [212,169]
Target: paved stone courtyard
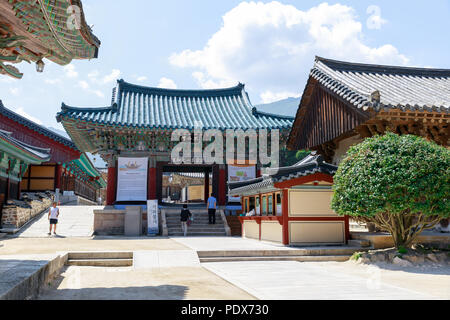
[168,268]
[74,221]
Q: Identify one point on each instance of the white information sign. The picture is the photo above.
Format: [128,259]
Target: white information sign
[132,179]
[152,218]
[239,174]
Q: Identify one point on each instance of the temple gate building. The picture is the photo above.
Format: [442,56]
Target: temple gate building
[139,124]
[344,103]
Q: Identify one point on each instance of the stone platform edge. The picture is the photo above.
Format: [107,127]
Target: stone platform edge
[30,287]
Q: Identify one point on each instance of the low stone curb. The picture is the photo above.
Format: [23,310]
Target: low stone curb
[30,287]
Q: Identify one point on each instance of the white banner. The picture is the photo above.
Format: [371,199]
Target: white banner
[132,179]
[152,218]
[239,174]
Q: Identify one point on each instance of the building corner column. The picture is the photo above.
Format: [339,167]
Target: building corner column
[111,189]
[223,189]
[151,179]
[285,210]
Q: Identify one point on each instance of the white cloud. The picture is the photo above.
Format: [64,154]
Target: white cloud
[142,79]
[87,87]
[22,112]
[269,96]
[93,75]
[70,71]
[113,76]
[14,91]
[375,21]
[52,81]
[7,79]
[167,83]
[98,93]
[271,46]
[83,84]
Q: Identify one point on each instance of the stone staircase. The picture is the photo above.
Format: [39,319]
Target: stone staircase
[100,259]
[300,255]
[235,226]
[199,227]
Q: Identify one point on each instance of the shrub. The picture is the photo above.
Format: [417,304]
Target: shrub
[400,183]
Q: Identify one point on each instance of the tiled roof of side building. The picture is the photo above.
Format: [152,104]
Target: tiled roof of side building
[37,154]
[310,165]
[147,107]
[36,127]
[404,88]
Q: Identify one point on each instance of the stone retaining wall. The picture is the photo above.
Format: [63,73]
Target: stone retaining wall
[110,222]
[15,216]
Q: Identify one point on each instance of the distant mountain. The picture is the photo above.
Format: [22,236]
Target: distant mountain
[286,107]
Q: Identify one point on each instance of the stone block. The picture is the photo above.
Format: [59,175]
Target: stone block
[133,221]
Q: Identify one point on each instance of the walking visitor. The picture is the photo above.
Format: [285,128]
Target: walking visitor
[185,217]
[212,207]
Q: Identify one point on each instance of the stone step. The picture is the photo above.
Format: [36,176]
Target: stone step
[177,217]
[197,223]
[359,243]
[198,234]
[100,255]
[338,258]
[206,220]
[347,251]
[100,262]
[197,229]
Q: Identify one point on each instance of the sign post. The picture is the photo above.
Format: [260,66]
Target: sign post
[152,218]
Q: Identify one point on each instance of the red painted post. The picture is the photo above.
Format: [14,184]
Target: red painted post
[285,208]
[111,189]
[222,187]
[151,184]
[58,177]
[206,190]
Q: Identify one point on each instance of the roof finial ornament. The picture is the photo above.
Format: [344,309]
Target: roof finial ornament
[375,97]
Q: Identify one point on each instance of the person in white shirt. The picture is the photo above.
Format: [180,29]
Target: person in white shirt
[53,216]
[252,212]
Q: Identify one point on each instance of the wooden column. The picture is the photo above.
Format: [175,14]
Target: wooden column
[151,184]
[222,187]
[206,191]
[285,209]
[58,173]
[112,186]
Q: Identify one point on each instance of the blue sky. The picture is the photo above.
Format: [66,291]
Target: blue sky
[269,46]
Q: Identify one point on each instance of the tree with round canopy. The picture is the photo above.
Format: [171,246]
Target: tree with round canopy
[399,183]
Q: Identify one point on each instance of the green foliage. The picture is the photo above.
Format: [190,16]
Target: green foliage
[302,154]
[395,175]
[289,158]
[356,256]
[402,250]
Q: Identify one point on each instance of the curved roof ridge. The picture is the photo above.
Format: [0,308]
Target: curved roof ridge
[126,86]
[367,67]
[36,127]
[256,112]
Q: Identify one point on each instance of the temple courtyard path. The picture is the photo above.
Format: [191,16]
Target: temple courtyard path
[168,268]
[74,221]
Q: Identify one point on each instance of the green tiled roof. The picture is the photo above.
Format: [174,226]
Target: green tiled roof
[155,108]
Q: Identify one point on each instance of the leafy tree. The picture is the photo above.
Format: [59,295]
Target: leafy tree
[302,154]
[400,183]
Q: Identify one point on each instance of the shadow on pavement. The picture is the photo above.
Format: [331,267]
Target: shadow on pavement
[161,292]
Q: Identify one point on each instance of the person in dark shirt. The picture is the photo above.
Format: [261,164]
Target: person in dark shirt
[185,216]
